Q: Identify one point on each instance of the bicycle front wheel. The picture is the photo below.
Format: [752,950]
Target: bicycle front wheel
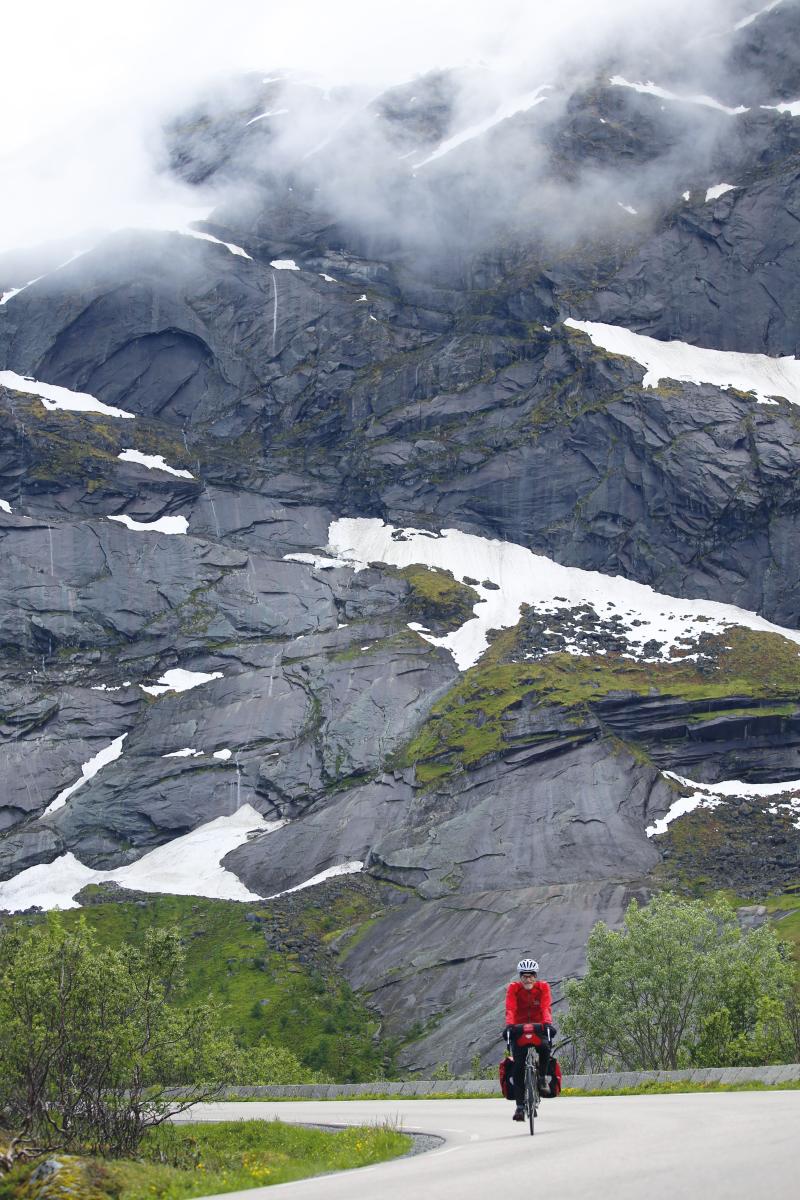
[531,1089]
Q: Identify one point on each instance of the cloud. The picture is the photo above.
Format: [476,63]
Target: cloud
[93,85]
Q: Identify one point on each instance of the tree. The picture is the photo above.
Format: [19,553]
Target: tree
[681,984]
[92,1036]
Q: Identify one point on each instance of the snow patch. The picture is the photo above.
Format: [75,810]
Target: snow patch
[522,577]
[791,106]
[509,109]
[89,769]
[284,264]
[652,89]
[162,525]
[223,755]
[687,195]
[273,112]
[719,189]
[327,278]
[53,396]
[759,373]
[179,680]
[628,208]
[5,506]
[12,292]
[154,462]
[209,237]
[348,868]
[187,752]
[711,795]
[186,866]
[322,562]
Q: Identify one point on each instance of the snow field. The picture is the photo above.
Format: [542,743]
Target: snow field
[162,525]
[522,577]
[186,866]
[53,397]
[652,89]
[209,237]
[179,680]
[154,462]
[759,373]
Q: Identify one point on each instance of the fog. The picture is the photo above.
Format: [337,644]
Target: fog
[90,87]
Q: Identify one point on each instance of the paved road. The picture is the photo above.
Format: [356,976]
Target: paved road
[722,1146]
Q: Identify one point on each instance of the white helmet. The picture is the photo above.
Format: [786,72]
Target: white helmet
[528,964]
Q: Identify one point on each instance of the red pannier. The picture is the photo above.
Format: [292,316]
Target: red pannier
[553,1078]
[506,1072]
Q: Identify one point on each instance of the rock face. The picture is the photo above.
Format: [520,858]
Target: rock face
[305,360]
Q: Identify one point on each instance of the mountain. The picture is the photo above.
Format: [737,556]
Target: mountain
[426,512]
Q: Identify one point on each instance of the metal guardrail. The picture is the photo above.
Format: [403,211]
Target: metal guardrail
[786,1073]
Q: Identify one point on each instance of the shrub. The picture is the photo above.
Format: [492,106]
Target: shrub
[681,985]
[92,1036]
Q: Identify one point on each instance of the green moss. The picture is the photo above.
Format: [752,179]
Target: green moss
[437,597]
[467,725]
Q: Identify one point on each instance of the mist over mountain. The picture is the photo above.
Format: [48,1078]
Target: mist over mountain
[398,478]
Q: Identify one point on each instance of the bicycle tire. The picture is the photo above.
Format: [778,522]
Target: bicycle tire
[531,1088]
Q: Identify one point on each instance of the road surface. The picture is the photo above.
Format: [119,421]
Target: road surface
[713,1146]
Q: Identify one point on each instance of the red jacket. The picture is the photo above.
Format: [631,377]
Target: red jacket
[523,1007]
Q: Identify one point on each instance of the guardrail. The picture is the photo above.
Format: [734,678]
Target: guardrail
[490,1087]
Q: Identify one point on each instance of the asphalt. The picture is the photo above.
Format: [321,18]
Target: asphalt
[712,1146]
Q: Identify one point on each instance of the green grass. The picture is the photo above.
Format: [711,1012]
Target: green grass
[177,1162]
[467,725]
[293,996]
[676,1086]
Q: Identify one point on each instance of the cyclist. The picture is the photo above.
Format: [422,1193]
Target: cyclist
[528,1001]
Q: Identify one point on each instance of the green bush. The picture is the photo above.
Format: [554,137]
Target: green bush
[681,985]
[92,1036]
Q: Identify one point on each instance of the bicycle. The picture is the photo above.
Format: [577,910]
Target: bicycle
[531,1096]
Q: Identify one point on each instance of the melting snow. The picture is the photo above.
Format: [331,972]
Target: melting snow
[509,109]
[187,752]
[273,112]
[321,561]
[327,278]
[652,89]
[89,769]
[791,106]
[179,680]
[186,866]
[758,373]
[155,462]
[209,237]
[162,525]
[719,189]
[5,506]
[523,577]
[348,868]
[53,396]
[284,264]
[223,755]
[711,795]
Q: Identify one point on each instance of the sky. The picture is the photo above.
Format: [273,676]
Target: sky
[88,84]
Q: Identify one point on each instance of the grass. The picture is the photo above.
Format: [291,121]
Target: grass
[470,722]
[177,1162]
[292,995]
